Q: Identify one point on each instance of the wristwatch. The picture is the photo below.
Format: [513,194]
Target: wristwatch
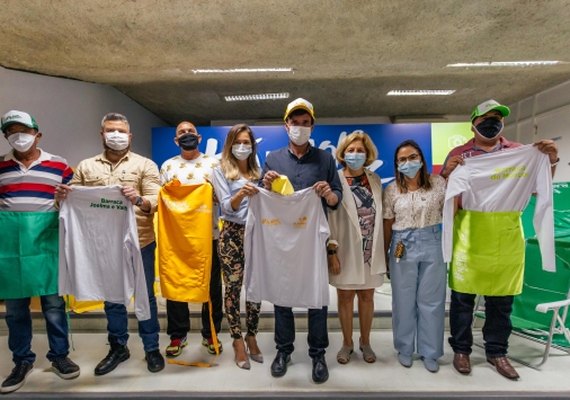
[331,252]
[139,201]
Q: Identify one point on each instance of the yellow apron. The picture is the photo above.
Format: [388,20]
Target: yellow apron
[488,253]
[184,241]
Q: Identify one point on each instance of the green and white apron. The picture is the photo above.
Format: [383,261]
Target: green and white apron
[28,254]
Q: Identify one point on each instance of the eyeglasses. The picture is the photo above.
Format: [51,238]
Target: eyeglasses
[411,157]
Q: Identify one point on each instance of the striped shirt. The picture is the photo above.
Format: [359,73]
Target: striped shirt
[33,188]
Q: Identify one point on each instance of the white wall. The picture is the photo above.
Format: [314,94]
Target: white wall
[546,115]
[69,113]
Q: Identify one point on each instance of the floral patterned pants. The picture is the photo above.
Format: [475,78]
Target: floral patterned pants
[230,251]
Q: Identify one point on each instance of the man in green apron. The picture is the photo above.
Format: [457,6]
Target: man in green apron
[502,280]
[29,248]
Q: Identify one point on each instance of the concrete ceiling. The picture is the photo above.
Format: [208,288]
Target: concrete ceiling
[346,54]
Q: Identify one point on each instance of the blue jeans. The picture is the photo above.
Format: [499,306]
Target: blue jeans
[117,319]
[19,323]
[318,337]
[418,292]
[496,330]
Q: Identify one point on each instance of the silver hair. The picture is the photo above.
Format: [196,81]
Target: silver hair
[114,117]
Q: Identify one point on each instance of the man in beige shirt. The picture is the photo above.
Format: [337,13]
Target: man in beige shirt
[139,177]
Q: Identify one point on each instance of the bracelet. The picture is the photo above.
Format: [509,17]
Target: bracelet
[139,201]
[555,163]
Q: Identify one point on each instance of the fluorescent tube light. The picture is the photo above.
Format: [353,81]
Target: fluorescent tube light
[240,70]
[257,97]
[521,64]
[414,92]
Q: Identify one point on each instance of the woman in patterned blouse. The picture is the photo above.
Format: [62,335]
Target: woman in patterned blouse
[413,206]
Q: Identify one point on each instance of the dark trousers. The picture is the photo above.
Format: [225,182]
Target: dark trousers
[19,321]
[178,314]
[496,330]
[318,337]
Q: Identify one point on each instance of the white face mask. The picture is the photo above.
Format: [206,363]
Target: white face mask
[299,134]
[21,141]
[117,140]
[241,151]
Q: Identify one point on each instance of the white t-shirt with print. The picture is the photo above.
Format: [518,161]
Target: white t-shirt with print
[100,257]
[285,250]
[504,181]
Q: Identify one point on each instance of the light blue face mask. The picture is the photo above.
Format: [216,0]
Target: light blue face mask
[410,168]
[355,161]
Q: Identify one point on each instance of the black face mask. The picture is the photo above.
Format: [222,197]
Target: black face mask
[490,127]
[188,142]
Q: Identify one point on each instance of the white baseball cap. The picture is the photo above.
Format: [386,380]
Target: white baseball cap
[18,117]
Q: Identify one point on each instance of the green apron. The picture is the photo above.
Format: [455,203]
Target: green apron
[28,254]
[488,253]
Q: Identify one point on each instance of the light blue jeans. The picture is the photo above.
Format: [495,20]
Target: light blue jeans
[418,292]
[117,319]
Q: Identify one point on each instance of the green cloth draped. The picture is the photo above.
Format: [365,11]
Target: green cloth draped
[488,253]
[28,254]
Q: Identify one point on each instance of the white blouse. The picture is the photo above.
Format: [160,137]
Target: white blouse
[416,209]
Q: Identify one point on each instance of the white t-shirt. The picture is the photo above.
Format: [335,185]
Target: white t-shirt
[504,181]
[99,253]
[285,250]
[192,172]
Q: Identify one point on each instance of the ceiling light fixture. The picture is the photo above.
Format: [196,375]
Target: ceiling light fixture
[240,70]
[419,92]
[257,97]
[521,64]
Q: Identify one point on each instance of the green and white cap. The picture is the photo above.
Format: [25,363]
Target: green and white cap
[18,117]
[490,105]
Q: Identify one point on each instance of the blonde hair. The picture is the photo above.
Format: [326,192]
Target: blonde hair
[371,151]
[229,163]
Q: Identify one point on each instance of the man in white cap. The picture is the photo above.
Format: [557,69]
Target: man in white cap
[28,178]
[305,166]
[487,125]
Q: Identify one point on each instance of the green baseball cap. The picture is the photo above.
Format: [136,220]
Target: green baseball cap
[18,117]
[490,105]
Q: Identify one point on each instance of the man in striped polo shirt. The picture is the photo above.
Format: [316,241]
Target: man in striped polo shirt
[28,177]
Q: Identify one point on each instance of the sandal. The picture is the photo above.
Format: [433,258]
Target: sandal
[367,353]
[343,355]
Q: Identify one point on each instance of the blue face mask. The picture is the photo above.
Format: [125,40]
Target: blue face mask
[355,161]
[410,168]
